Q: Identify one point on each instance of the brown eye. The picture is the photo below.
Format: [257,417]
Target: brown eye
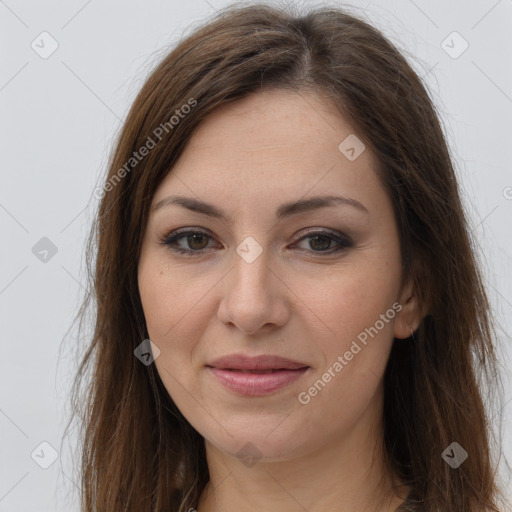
[321,241]
[194,241]
[187,242]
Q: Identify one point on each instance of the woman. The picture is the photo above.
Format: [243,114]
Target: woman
[289,311]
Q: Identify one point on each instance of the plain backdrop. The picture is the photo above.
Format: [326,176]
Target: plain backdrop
[60,113]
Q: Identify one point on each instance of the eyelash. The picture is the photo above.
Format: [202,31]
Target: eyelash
[171,239]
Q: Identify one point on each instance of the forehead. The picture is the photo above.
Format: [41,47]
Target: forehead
[273,121]
[271,145]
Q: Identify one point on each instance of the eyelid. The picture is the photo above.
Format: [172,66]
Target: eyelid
[323,231]
[343,240]
[340,238]
[174,235]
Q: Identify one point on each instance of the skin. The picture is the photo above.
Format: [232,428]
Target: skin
[294,300]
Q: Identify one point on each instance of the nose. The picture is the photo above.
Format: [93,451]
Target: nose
[254,296]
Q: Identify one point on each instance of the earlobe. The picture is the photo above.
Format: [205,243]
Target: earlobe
[409,317]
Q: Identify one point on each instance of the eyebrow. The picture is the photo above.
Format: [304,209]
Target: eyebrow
[285,210]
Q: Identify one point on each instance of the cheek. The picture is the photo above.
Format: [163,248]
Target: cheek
[343,303]
[172,302]
[175,308]
[357,308]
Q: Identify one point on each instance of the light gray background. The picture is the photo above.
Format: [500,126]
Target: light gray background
[59,116]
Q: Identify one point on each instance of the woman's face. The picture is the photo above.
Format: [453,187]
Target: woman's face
[318,285]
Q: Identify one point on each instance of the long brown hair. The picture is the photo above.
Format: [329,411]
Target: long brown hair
[138,451]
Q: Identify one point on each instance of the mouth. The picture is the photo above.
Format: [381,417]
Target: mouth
[256,376]
[273,370]
[263,363]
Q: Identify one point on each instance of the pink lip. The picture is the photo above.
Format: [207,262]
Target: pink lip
[262,362]
[235,372]
[256,384]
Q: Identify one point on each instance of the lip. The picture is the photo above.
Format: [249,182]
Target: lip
[242,374]
[261,362]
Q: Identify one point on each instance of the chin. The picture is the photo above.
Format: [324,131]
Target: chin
[254,443]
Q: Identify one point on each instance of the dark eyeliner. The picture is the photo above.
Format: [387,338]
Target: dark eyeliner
[171,239]
[342,240]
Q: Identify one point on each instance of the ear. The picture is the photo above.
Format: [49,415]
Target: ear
[409,316]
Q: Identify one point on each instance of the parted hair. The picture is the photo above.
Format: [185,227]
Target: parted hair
[138,452]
